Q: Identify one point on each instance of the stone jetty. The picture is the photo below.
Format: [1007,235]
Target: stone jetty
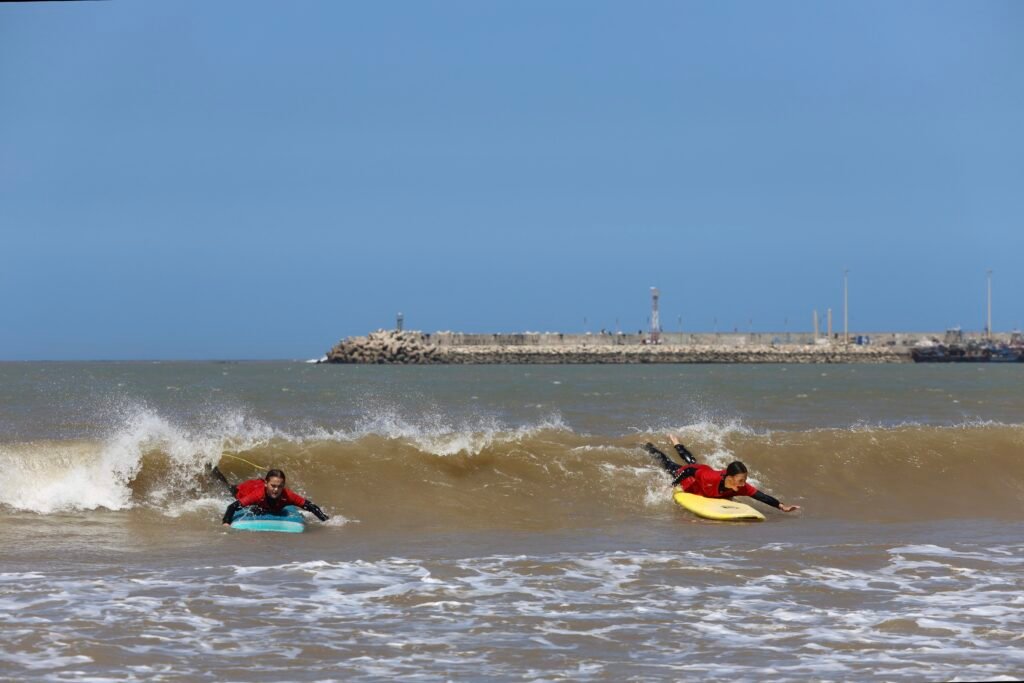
[417,348]
[387,347]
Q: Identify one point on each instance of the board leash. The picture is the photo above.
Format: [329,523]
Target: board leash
[247,462]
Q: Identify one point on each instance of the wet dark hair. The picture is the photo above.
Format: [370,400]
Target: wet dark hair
[734,468]
[279,473]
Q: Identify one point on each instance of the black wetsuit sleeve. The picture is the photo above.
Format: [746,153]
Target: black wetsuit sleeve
[683,473]
[766,499]
[230,512]
[219,476]
[662,459]
[685,454]
[315,509]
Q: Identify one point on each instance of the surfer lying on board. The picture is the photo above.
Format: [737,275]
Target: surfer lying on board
[268,495]
[702,480]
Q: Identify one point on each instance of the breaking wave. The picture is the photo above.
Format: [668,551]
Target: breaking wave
[484,474]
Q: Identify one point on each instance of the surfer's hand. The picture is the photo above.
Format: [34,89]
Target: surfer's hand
[226,524]
[673,439]
[788,508]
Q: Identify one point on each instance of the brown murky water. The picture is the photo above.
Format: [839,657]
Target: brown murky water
[501,523]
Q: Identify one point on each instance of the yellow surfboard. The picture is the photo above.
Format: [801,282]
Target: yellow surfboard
[722,509]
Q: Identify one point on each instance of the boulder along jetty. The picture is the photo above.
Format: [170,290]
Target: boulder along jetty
[451,348]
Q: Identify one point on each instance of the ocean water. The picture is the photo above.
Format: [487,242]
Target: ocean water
[502,523]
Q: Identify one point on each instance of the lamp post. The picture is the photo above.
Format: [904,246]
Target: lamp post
[988,327]
[846,314]
[655,322]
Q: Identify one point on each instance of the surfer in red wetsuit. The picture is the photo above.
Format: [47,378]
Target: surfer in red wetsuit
[702,480]
[268,495]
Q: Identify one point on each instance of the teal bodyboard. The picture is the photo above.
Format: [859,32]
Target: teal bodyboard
[289,521]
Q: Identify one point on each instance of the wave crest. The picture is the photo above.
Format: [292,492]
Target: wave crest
[480,473]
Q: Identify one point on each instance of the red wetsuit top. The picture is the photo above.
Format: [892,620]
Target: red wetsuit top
[254,492]
[706,481]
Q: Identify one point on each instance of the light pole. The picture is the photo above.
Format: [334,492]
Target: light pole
[846,315]
[655,322]
[988,328]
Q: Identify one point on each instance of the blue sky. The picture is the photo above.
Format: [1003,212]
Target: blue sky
[258,180]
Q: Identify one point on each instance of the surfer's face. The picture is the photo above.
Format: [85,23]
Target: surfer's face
[736,481]
[274,487]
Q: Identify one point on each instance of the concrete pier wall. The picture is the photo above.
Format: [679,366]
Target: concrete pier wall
[417,348]
[720,339]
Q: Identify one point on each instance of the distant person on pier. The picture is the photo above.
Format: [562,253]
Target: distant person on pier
[703,480]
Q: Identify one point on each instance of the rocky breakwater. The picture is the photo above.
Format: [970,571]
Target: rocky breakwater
[386,347]
[416,348]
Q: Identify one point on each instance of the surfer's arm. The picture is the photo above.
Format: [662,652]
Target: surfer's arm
[762,497]
[682,473]
[663,459]
[298,501]
[230,512]
[315,509]
[684,452]
[219,476]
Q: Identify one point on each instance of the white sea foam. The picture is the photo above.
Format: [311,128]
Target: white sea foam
[193,506]
[430,432]
[640,614]
[441,435]
[87,475]
[704,430]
